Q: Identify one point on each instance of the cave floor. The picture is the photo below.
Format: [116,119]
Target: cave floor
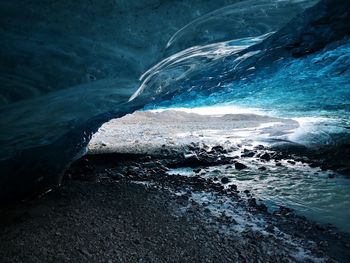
[127,208]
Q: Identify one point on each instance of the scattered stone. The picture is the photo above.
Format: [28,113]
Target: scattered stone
[233,187]
[219,149]
[266,157]
[83,251]
[225,180]
[284,211]
[259,147]
[116,176]
[240,166]
[182,199]
[248,154]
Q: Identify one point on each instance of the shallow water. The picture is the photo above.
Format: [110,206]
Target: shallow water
[307,190]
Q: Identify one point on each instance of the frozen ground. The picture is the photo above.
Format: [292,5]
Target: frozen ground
[148,131]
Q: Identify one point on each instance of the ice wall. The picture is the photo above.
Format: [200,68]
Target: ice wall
[68,66]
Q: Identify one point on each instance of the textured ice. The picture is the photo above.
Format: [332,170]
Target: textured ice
[68,66]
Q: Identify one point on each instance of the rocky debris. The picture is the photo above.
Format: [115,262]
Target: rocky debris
[331,175]
[240,166]
[145,215]
[116,176]
[265,157]
[260,207]
[233,187]
[284,211]
[182,199]
[259,147]
[248,153]
[225,180]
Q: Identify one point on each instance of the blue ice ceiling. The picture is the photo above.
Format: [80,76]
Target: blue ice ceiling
[68,66]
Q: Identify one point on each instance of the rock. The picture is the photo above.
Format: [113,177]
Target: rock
[331,176]
[197,170]
[265,157]
[206,210]
[182,199]
[193,146]
[285,210]
[205,147]
[84,252]
[278,164]
[218,149]
[259,147]
[262,168]
[252,202]
[147,158]
[246,191]
[270,228]
[233,187]
[225,180]
[291,162]
[248,154]
[262,207]
[240,166]
[116,176]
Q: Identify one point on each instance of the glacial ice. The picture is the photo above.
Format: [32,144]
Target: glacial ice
[69,66]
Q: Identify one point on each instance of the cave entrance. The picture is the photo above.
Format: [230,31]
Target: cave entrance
[161,130]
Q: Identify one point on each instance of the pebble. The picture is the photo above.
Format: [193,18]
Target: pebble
[259,147]
[248,154]
[116,176]
[225,180]
[331,176]
[265,157]
[240,166]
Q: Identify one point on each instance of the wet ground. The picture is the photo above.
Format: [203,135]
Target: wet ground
[136,208]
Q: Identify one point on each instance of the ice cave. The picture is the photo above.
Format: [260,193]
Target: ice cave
[239,110]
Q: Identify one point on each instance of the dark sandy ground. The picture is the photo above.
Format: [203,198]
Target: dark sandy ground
[126,208]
